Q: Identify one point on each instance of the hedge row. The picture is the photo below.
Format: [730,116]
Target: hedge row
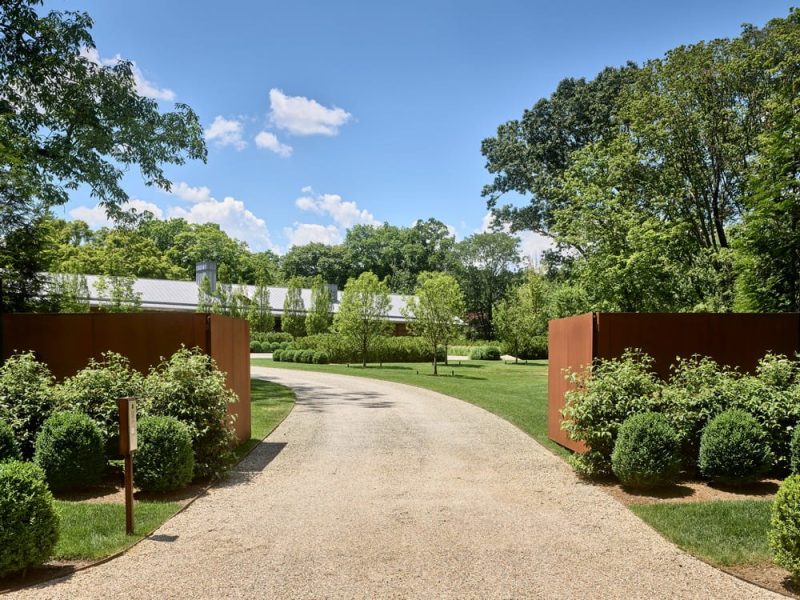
[390,349]
[698,390]
[273,337]
[257,346]
[301,356]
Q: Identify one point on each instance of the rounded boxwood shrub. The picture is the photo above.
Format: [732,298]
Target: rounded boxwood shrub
[276,356]
[320,358]
[647,451]
[289,355]
[69,449]
[164,459]
[26,398]
[306,356]
[28,518]
[254,346]
[734,448]
[784,531]
[189,387]
[94,391]
[485,353]
[9,449]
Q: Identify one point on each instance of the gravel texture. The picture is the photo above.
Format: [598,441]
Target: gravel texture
[372,489]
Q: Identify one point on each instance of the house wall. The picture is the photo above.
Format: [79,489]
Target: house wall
[66,342]
[735,340]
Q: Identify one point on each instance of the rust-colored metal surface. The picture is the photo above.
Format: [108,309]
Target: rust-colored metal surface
[570,345]
[738,340]
[230,348]
[67,342]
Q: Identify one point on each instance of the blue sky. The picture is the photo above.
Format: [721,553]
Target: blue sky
[324,114]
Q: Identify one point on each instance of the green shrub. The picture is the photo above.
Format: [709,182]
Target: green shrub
[795,451]
[485,353]
[389,349]
[9,449]
[784,531]
[94,391]
[189,387]
[277,355]
[26,398]
[698,390]
[306,356]
[647,451]
[605,395]
[288,355]
[274,337]
[320,358]
[28,518]
[734,448]
[255,346]
[70,451]
[164,458]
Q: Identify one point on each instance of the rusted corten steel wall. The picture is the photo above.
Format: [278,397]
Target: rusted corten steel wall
[67,342]
[738,340]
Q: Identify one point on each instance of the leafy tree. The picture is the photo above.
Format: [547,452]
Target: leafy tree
[117,294]
[293,317]
[521,316]
[487,263]
[769,237]
[435,312]
[320,313]
[67,121]
[70,292]
[311,260]
[362,317]
[260,312]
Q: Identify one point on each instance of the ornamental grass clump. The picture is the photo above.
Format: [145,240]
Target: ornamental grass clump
[164,458]
[28,517]
[26,398]
[189,387]
[9,449]
[605,395]
[784,531]
[94,391]
[647,451]
[70,451]
[734,448]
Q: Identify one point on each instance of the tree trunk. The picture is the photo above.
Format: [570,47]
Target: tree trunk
[435,370]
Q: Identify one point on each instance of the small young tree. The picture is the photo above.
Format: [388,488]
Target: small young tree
[260,313]
[70,293]
[117,294]
[205,298]
[320,314]
[521,316]
[362,316]
[434,313]
[293,318]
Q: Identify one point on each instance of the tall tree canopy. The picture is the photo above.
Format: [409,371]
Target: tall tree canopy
[66,121]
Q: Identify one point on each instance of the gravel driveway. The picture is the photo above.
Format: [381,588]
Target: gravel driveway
[379,490]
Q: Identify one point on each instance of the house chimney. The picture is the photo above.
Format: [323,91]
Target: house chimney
[206,268]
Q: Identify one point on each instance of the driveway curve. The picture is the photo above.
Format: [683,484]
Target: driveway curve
[372,489]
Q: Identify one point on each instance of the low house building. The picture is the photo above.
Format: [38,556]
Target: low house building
[184,296]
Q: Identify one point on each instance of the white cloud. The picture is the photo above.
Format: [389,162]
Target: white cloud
[532,245]
[305,233]
[226,132]
[303,116]
[344,213]
[95,216]
[232,217]
[143,86]
[269,141]
[184,191]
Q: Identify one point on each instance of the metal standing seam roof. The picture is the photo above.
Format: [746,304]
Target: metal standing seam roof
[166,294]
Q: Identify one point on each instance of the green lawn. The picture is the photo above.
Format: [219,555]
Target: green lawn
[515,392]
[725,533]
[270,403]
[92,530]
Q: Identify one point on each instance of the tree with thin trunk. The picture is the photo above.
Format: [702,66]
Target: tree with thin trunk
[293,318]
[320,313]
[259,312]
[435,312]
[521,316]
[362,319]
